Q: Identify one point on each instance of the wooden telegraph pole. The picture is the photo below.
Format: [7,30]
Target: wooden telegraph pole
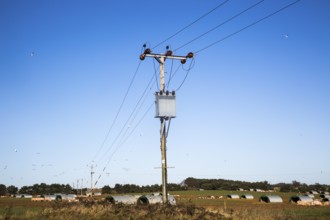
[165,107]
[92,172]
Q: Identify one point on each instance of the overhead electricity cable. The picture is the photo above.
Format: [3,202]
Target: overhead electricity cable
[172,74]
[118,112]
[198,19]
[191,65]
[219,25]
[120,145]
[124,137]
[248,26]
[129,118]
[132,131]
[132,117]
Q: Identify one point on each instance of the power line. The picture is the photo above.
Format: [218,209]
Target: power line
[127,121]
[191,65]
[248,26]
[123,139]
[121,144]
[119,110]
[172,75]
[132,131]
[219,25]
[182,29]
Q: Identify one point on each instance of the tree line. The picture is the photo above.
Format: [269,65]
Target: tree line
[45,189]
[222,184]
[132,188]
[188,184]
[37,189]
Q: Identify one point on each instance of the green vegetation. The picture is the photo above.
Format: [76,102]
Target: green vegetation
[19,208]
[215,200]
[196,199]
[222,184]
[100,210]
[189,183]
[192,204]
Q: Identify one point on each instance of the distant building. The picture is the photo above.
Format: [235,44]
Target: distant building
[28,196]
[95,192]
[271,199]
[233,196]
[305,199]
[247,196]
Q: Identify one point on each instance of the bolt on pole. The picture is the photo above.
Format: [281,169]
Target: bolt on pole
[161,58]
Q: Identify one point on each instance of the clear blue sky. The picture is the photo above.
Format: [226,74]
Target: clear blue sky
[254,107]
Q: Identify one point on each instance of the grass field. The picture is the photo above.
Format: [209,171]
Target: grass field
[191,205]
[253,208]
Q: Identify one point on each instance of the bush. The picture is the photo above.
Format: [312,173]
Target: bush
[70,211]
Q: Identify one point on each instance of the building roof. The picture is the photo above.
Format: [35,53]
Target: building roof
[233,196]
[301,198]
[271,199]
[247,196]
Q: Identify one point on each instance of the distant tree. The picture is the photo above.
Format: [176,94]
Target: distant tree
[55,188]
[284,187]
[25,190]
[3,189]
[262,185]
[44,189]
[118,188]
[35,189]
[130,188]
[318,187]
[106,189]
[12,190]
[296,186]
[67,189]
[176,187]
[155,188]
[192,182]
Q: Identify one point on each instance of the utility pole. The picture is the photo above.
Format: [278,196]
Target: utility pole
[81,186]
[165,107]
[77,187]
[92,180]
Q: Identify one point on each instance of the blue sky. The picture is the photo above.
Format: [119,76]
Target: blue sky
[254,106]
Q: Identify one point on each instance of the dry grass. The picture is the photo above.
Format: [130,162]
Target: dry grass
[191,205]
[82,211]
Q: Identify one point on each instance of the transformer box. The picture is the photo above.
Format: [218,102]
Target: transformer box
[165,105]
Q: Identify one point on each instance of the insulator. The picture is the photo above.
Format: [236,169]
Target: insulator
[142,56]
[173,93]
[147,51]
[169,53]
[183,61]
[190,55]
[167,92]
[144,45]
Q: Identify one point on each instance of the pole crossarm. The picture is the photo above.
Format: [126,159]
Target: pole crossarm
[157,56]
[167,55]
